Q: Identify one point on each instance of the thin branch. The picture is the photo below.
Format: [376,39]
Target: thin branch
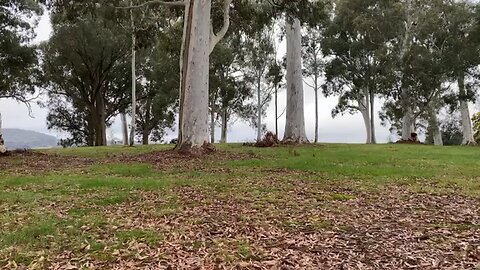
[153,2]
[308,84]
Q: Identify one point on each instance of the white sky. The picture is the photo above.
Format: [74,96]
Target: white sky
[343,129]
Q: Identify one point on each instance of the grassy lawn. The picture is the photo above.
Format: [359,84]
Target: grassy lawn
[314,207]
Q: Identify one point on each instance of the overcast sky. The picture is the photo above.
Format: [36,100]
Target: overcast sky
[344,129]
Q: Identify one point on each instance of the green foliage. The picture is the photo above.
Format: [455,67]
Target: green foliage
[476,127]
[260,70]
[438,48]
[158,66]
[18,60]
[357,39]
[84,65]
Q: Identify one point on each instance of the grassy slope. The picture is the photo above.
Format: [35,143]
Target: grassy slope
[95,211]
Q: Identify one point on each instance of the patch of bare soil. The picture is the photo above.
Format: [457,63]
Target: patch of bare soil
[29,161]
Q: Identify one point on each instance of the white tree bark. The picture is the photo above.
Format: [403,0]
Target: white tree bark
[212,122]
[467,129]
[364,108]
[408,121]
[134,81]
[3,149]
[259,109]
[123,118]
[199,40]
[295,117]
[435,128]
[316,89]
[194,75]
[373,139]
[408,124]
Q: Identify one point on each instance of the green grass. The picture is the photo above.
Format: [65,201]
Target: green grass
[84,205]
[374,165]
[148,236]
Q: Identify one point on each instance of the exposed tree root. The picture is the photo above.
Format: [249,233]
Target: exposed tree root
[188,149]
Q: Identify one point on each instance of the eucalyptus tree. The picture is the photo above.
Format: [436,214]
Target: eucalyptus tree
[436,44]
[199,40]
[159,83]
[84,64]
[297,14]
[18,59]
[357,43]
[463,47]
[259,62]
[314,63]
[229,92]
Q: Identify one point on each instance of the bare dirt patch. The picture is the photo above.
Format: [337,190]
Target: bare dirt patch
[29,161]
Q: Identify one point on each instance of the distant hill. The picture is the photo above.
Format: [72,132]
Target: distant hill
[19,138]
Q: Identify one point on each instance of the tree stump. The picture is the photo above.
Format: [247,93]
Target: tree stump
[269,140]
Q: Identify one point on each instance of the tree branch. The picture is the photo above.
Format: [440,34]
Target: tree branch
[153,2]
[215,38]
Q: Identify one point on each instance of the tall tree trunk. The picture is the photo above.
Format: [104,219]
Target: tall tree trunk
[408,121]
[368,127]
[295,118]
[147,126]
[145,135]
[134,80]
[467,128]
[123,118]
[193,120]
[212,123]
[100,122]
[276,110]
[91,127]
[224,126]
[373,139]
[435,127]
[3,149]
[316,107]
[364,108]
[408,124]
[259,109]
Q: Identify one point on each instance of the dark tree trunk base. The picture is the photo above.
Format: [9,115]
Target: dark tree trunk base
[187,149]
[295,141]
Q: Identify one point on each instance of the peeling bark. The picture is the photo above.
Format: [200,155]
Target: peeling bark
[295,117]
